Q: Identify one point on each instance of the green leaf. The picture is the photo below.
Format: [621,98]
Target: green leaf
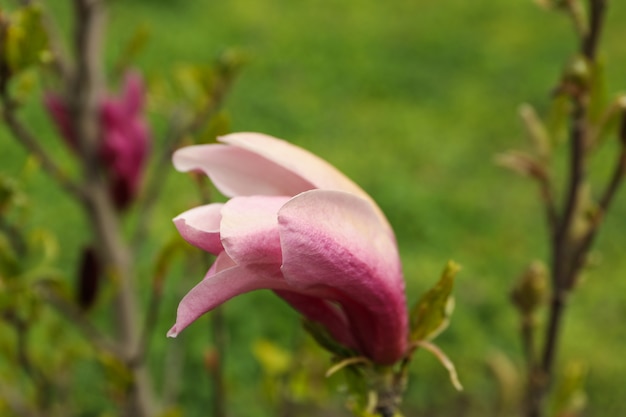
[26,39]
[536,130]
[431,315]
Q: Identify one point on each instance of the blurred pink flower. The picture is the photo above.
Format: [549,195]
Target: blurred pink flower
[125,140]
[296,225]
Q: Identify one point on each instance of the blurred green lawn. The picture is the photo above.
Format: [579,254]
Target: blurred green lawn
[412,99]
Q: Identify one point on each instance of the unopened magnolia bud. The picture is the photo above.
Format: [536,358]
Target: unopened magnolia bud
[531,288]
[89,276]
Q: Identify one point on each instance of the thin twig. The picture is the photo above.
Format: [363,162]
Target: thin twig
[597,10]
[548,199]
[617,178]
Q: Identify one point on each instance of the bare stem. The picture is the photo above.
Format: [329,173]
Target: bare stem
[547,196]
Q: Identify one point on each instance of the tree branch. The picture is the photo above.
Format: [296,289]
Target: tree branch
[84,102]
[568,252]
[597,10]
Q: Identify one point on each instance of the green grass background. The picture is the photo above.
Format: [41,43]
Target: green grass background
[411,99]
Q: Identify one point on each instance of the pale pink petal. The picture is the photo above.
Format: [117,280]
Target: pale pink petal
[222,283]
[249,229]
[301,163]
[298,161]
[338,240]
[200,226]
[238,172]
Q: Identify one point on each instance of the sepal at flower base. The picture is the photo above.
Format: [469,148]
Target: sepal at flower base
[431,315]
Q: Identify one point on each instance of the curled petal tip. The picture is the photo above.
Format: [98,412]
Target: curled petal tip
[173,332]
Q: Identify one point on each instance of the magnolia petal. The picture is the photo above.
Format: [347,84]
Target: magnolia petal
[323,312]
[249,229]
[301,163]
[220,284]
[239,172]
[335,239]
[112,113]
[200,226]
[344,232]
[296,160]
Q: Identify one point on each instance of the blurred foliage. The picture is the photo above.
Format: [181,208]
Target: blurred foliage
[24,41]
[34,338]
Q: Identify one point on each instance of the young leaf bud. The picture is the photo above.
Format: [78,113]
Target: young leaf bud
[536,130]
[531,289]
[576,77]
[523,164]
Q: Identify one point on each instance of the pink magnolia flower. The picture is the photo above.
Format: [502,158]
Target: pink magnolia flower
[296,225]
[125,140]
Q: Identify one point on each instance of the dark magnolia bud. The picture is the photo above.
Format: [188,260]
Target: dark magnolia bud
[89,277]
